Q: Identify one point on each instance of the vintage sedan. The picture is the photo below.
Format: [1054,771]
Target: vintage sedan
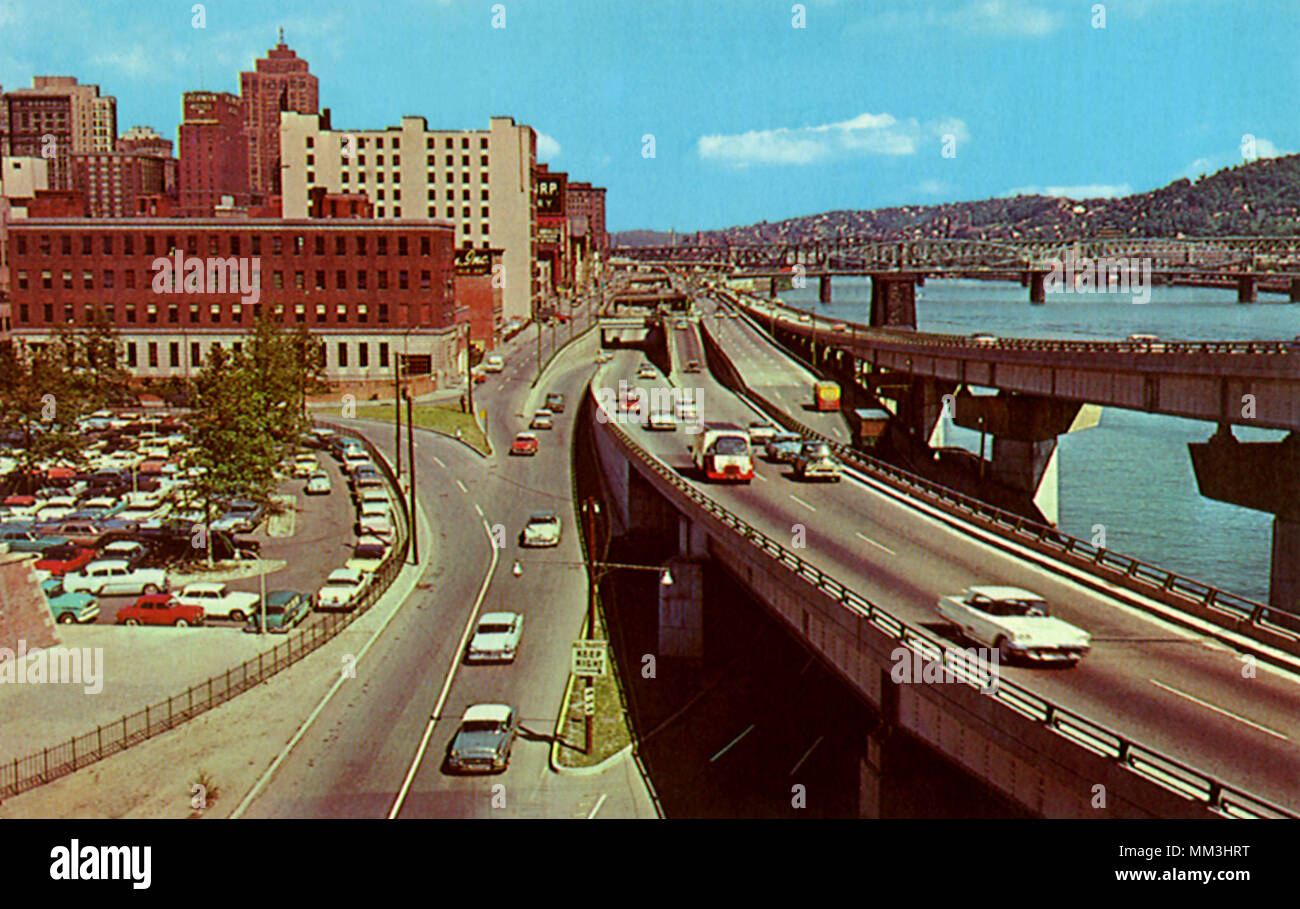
[318,484]
[342,588]
[542,529]
[483,741]
[783,447]
[524,445]
[1017,623]
[496,637]
[59,560]
[543,419]
[219,600]
[284,609]
[160,609]
[69,607]
[110,577]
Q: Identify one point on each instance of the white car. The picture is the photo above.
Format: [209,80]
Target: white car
[371,509]
[1016,622]
[543,419]
[493,363]
[647,373]
[342,588]
[367,554]
[305,465]
[114,577]
[496,637]
[542,529]
[376,525]
[761,432]
[318,484]
[662,420]
[351,461]
[219,600]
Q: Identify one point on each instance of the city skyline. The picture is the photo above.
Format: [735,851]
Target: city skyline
[851,111]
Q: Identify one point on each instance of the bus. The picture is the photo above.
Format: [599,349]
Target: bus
[826,396]
[720,451]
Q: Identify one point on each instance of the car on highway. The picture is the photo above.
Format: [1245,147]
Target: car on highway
[815,462]
[525,444]
[603,357]
[555,402]
[484,740]
[66,607]
[543,419]
[496,638]
[494,363]
[218,600]
[647,373]
[682,325]
[783,447]
[692,366]
[1016,622]
[318,484]
[342,589]
[115,577]
[542,529]
[160,609]
[662,420]
[980,339]
[367,554]
[284,609]
[59,560]
[761,432]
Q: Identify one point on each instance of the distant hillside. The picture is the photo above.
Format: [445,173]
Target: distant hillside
[1262,197]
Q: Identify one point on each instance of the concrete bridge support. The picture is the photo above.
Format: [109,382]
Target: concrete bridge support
[772,288]
[681,611]
[871,763]
[893,300]
[1247,289]
[922,410]
[824,289]
[1295,290]
[1036,281]
[1264,476]
[1024,430]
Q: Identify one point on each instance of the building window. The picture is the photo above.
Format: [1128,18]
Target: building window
[86,240]
[65,244]
[153,354]
[381,280]
[148,245]
[320,312]
[381,246]
[424,246]
[194,313]
[320,245]
[340,312]
[130,354]
[383,313]
[257,244]
[277,280]
[320,279]
[361,246]
[401,280]
[67,279]
[361,279]
[341,279]
[195,359]
[87,280]
[300,312]
[174,354]
[343,355]
[363,355]
[483,142]
[68,314]
[22,280]
[397,211]
[383,354]
[277,245]
[340,246]
[363,314]
[234,245]
[173,313]
[108,244]
[213,246]
[424,279]
[401,245]
[298,280]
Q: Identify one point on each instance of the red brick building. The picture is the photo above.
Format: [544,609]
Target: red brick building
[213,153]
[280,81]
[586,206]
[367,289]
[480,295]
[553,261]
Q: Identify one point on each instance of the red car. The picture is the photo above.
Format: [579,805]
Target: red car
[525,443]
[160,609]
[59,560]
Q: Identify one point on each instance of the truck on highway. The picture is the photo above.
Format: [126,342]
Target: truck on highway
[826,395]
[721,451]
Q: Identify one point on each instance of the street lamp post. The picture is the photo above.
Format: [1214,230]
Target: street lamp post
[410,457]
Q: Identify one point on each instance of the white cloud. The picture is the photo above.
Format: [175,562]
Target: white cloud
[547,148]
[865,134]
[934,187]
[1208,164]
[1083,191]
[998,17]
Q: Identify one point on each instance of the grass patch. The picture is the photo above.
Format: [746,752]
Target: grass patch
[443,418]
[610,733]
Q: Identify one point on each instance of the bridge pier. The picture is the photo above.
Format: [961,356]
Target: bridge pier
[771,288]
[824,289]
[1247,289]
[1036,281]
[681,611]
[1263,476]
[1024,430]
[1295,290]
[893,300]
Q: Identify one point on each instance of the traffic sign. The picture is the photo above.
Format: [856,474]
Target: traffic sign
[590,658]
[589,701]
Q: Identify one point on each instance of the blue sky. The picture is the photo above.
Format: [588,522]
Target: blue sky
[752,118]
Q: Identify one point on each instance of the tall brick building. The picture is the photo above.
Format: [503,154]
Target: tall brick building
[213,153]
[57,118]
[112,182]
[280,82]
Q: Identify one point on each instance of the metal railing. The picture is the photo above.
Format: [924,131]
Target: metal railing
[1095,737]
[48,764]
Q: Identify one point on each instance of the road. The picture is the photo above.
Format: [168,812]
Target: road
[361,750]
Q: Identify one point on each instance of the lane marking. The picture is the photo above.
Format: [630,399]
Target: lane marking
[874,543]
[729,745]
[479,510]
[1217,709]
[805,754]
[599,802]
[462,486]
[759,476]
[446,685]
[438,461]
[803,503]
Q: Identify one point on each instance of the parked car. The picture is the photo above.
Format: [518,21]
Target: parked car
[304,465]
[525,443]
[24,540]
[240,517]
[542,529]
[761,432]
[318,484]
[543,419]
[59,560]
[115,577]
[66,607]
[783,447]
[555,402]
[367,554]
[496,637]
[219,600]
[376,525]
[342,588]
[484,740]
[160,609]
[815,462]
[133,552]
[284,609]
[1016,622]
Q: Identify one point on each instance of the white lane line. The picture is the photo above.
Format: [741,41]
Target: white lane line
[599,802]
[1217,709]
[437,460]
[462,486]
[759,476]
[803,503]
[446,685]
[479,510]
[728,746]
[874,543]
[805,754]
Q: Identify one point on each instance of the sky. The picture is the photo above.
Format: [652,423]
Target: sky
[700,114]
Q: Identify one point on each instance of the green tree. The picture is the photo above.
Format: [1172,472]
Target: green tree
[40,399]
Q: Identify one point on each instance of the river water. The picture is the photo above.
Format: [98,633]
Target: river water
[1131,474]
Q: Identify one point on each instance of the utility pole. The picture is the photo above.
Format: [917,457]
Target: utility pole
[591,615]
[469,375]
[410,453]
[397,409]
